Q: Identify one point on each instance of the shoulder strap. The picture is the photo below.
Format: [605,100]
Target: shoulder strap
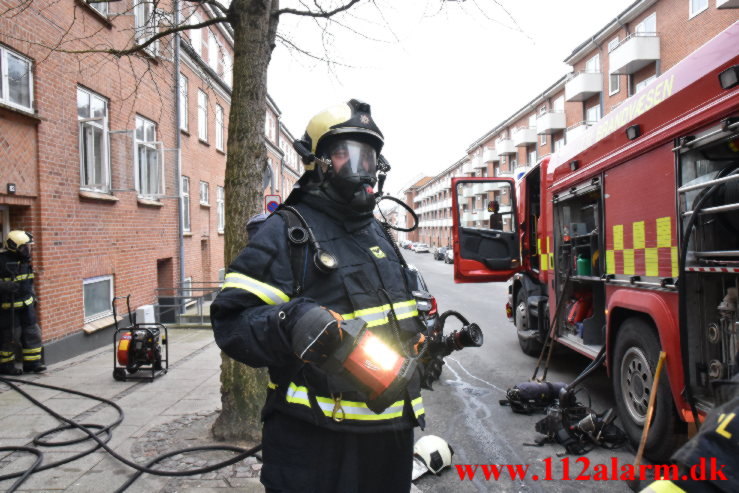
[298,252]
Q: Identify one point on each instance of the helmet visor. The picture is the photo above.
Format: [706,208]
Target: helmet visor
[351,157]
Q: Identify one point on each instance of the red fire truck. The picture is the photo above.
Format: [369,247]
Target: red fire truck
[634,230]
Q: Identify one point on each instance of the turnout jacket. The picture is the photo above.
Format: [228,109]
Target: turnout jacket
[257,306]
[16,281]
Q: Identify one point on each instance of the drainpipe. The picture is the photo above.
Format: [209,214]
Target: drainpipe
[178,145]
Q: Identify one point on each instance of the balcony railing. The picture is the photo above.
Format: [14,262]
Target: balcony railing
[490,156]
[583,85]
[505,146]
[551,122]
[524,136]
[577,130]
[635,52]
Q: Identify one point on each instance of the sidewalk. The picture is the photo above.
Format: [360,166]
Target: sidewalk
[175,411]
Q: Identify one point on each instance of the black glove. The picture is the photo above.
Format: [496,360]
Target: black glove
[315,335]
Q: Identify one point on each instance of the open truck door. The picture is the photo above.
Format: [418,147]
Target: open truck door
[485,229]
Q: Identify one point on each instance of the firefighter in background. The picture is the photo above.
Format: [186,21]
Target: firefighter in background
[18,306]
[496,218]
[318,433]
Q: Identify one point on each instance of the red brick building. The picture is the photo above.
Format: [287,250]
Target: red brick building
[115,165]
[620,59]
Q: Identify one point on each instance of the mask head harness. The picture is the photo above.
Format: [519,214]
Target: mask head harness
[341,153]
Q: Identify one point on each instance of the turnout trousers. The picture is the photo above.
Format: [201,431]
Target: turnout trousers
[30,333]
[301,457]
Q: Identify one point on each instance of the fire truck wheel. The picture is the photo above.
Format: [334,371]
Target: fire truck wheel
[529,345]
[634,362]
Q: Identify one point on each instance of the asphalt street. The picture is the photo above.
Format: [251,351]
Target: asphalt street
[464,409]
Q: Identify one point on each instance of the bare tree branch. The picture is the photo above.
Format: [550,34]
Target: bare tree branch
[214,3]
[320,13]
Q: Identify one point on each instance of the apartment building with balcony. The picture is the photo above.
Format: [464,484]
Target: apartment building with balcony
[620,59]
[116,165]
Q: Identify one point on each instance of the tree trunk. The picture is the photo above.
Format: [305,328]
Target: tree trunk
[243,389]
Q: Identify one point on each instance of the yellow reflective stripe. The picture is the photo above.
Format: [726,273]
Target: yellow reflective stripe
[637,230]
[618,237]
[664,232]
[418,408]
[673,254]
[271,385]
[610,262]
[663,486]
[651,261]
[19,277]
[32,351]
[629,261]
[31,358]
[18,304]
[378,315]
[352,409]
[297,395]
[269,294]
[6,358]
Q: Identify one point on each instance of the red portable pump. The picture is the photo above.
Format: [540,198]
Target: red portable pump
[139,347]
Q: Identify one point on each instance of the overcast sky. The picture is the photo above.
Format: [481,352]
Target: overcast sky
[437,77]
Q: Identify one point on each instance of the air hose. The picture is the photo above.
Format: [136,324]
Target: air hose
[94,432]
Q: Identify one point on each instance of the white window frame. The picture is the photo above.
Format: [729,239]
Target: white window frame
[85,148]
[593,61]
[196,35]
[614,80]
[220,208]
[640,29]
[145,24]
[204,193]
[558,144]
[543,139]
[213,51]
[148,145]
[187,290]
[103,314]
[5,83]
[532,154]
[100,7]
[558,105]
[641,85]
[219,128]
[228,68]
[692,13]
[184,103]
[202,115]
[186,225]
[593,108]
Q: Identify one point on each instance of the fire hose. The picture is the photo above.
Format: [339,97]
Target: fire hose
[101,435]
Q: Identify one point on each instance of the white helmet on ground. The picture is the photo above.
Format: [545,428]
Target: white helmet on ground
[434,452]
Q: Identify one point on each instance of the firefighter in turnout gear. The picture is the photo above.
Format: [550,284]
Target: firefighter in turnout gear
[18,306]
[281,307]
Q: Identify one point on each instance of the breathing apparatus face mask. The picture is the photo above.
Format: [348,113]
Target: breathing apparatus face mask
[353,173]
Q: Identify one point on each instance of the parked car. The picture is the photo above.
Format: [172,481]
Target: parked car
[449,256]
[440,253]
[425,301]
[421,248]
